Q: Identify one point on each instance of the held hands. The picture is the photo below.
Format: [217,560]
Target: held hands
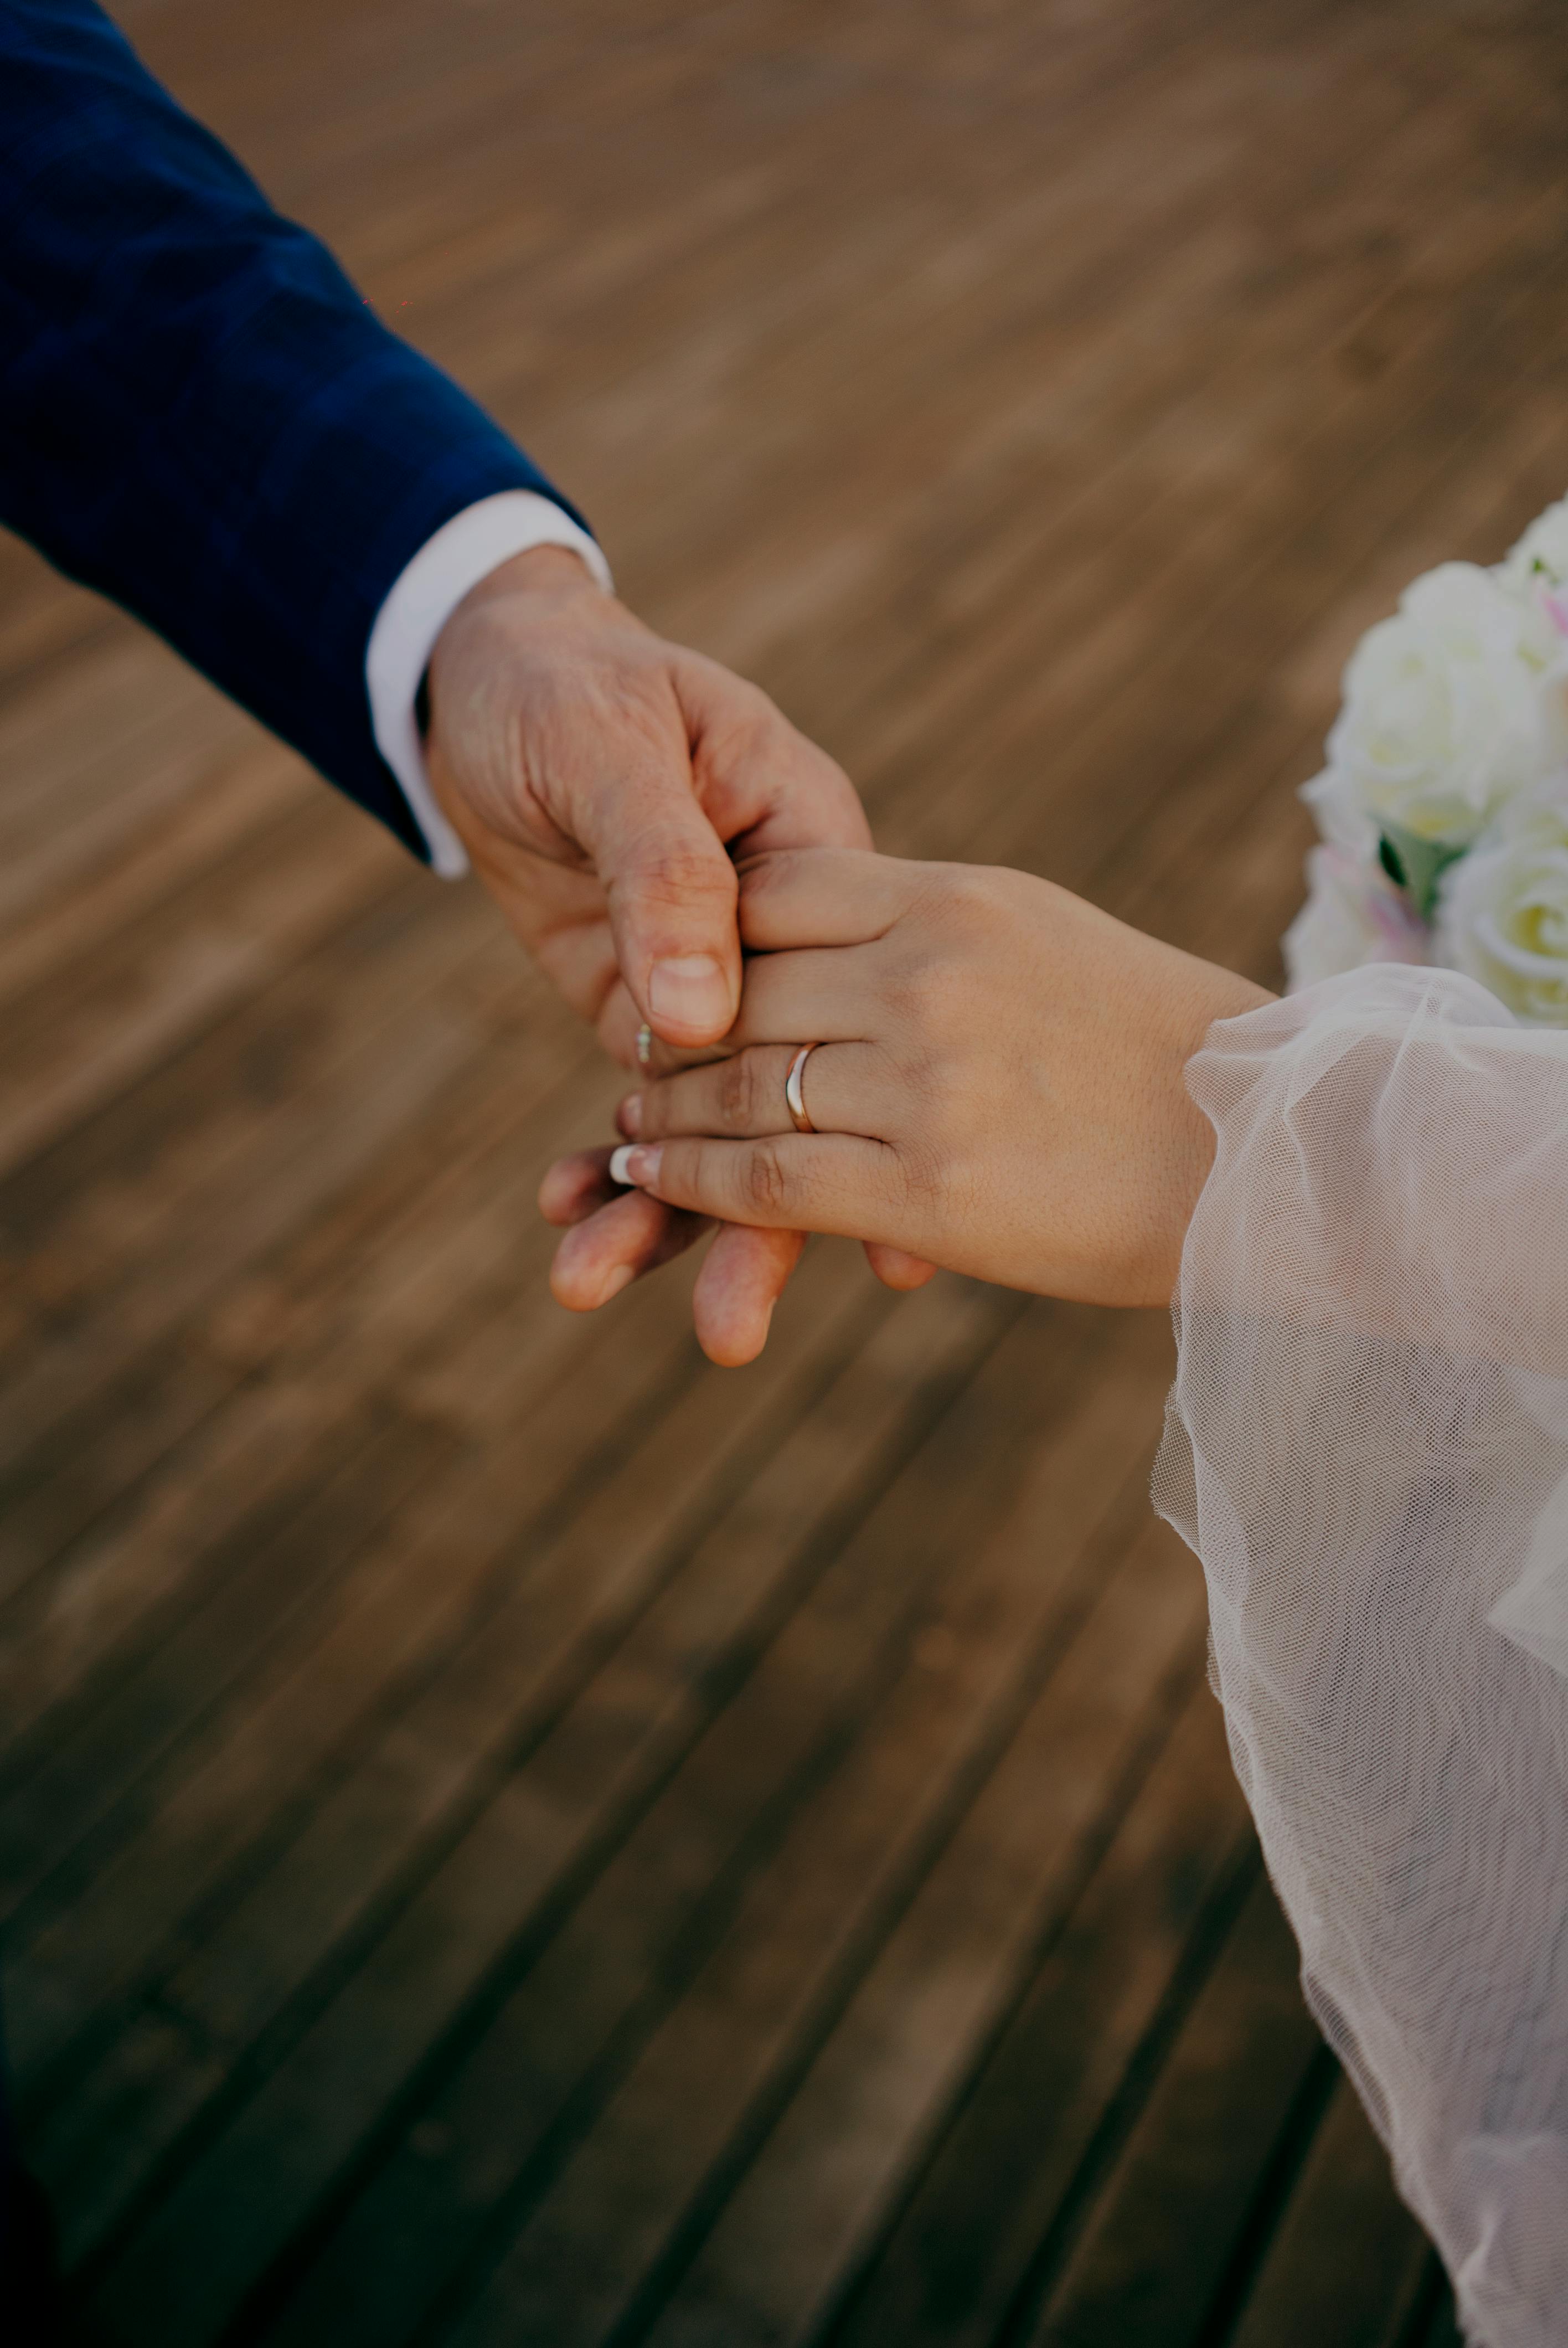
[997,1084]
[998,1079]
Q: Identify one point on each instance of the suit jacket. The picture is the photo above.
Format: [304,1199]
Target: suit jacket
[199,415]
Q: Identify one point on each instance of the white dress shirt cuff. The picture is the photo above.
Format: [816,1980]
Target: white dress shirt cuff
[463,551]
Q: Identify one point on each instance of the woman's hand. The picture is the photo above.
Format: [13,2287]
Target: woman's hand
[997,1084]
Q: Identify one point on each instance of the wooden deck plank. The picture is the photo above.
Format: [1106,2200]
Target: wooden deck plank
[644,1697]
[365,1287]
[235,798]
[1347,2261]
[522,1506]
[145,994]
[556,1448]
[817,2182]
[193,1186]
[1157,2250]
[1021,1576]
[93,750]
[1337,387]
[405,1342]
[311,2115]
[502,1687]
[1053,2087]
[1239,615]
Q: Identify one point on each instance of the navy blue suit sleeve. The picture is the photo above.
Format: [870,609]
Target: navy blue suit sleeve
[199,415]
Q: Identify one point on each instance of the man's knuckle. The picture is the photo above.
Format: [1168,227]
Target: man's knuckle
[675,873]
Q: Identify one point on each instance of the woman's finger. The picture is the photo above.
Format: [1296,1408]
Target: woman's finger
[792,1182]
[742,1098]
[821,994]
[823,897]
[806,994]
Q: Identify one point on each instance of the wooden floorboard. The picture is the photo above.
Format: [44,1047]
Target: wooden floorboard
[507,1833]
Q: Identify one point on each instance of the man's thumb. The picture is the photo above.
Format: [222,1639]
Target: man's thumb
[672,895]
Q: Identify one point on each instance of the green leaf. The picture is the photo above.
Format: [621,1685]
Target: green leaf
[1415,865]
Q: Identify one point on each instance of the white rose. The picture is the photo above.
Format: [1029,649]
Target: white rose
[1444,716]
[1503,910]
[1351,916]
[1536,575]
[1543,552]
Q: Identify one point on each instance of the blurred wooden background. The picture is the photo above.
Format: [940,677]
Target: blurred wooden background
[509,1834]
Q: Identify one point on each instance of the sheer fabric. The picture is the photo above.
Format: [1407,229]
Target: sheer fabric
[1367,1444]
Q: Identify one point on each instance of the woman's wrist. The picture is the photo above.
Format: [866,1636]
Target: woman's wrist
[1209,996]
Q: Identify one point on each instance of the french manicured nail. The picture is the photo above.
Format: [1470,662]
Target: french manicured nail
[634,1165]
[629,1115]
[690,993]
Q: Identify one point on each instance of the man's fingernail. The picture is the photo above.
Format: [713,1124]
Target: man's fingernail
[688,996]
[642,1164]
[629,1115]
[621,1277]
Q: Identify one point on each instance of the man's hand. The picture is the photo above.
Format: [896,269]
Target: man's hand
[600,780]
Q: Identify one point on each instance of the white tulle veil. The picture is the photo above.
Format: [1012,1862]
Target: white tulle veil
[1367,1446]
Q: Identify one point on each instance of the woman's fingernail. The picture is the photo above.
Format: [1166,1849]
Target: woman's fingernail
[619,1165]
[629,1115]
[690,992]
[642,1164]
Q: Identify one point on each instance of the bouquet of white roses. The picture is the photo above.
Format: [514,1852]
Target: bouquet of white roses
[1444,803]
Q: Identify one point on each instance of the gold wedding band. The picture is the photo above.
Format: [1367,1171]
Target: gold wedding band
[794,1090]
